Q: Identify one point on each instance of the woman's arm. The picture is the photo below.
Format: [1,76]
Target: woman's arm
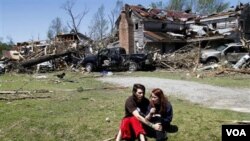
[150,114]
[119,135]
[169,115]
[156,126]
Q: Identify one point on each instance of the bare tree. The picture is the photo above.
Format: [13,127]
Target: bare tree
[10,41]
[6,46]
[176,5]
[114,14]
[199,6]
[210,6]
[99,28]
[170,5]
[159,4]
[75,19]
[55,28]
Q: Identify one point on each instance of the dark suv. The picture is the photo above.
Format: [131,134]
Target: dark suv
[231,52]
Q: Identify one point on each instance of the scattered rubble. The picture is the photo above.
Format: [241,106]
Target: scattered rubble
[175,39]
[184,58]
[43,56]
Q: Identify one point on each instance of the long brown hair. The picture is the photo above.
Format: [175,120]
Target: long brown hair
[162,99]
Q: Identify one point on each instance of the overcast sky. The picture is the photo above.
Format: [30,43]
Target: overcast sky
[24,20]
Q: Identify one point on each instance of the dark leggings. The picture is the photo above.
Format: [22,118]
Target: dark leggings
[158,135]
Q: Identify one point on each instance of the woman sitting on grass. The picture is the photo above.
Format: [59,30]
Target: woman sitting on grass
[159,111]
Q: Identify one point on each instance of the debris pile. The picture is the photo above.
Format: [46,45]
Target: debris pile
[184,58]
[59,54]
[178,37]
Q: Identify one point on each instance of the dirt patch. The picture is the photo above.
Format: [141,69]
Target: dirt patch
[236,99]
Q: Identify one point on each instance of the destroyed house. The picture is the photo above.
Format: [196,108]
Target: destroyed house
[73,41]
[141,29]
[72,37]
[28,47]
[230,25]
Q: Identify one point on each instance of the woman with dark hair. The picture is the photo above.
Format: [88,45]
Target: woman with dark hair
[159,111]
[131,127]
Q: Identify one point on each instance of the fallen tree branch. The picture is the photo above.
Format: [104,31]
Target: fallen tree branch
[109,139]
[92,76]
[239,71]
[31,62]
[236,121]
[232,70]
[22,98]
[15,92]
[26,92]
[103,88]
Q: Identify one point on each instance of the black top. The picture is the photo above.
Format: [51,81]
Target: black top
[131,105]
[167,118]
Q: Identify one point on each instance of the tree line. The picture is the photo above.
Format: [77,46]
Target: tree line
[201,7]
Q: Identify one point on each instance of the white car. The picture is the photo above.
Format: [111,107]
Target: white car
[44,66]
[230,52]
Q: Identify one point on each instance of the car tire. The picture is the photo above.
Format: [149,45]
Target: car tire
[132,66]
[211,61]
[89,67]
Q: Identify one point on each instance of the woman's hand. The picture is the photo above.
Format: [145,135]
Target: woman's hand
[150,114]
[157,126]
[152,111]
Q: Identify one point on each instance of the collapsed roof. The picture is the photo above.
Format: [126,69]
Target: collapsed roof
[192,27]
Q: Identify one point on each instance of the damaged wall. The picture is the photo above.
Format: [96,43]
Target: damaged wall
[244,21]
[125,32]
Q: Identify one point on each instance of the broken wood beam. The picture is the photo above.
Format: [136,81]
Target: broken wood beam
[239,71]
[232,70]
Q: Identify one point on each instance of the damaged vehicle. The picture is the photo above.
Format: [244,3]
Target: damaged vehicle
[231,52]
[44,67]
[244,62]
[116,59]
[2,67]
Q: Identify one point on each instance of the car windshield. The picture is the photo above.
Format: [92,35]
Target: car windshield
[220,48]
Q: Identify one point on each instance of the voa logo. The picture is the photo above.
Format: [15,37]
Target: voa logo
[236,132]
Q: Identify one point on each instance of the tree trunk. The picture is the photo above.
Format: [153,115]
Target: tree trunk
[35,61]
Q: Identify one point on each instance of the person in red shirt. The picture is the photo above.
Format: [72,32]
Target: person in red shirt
[136,106]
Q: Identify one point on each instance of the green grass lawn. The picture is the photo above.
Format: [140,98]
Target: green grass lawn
[73,115]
